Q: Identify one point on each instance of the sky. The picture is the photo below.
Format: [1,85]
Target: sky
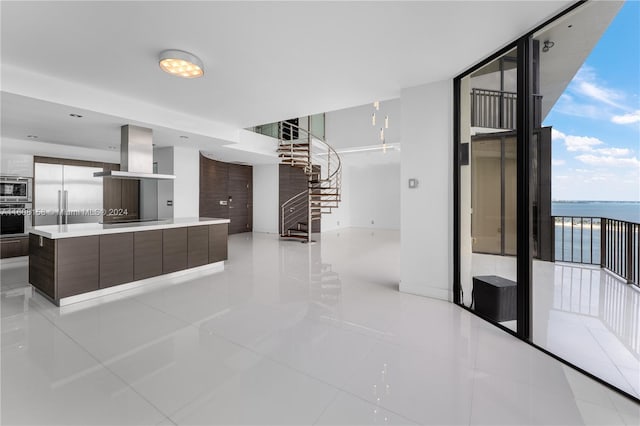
[596,121]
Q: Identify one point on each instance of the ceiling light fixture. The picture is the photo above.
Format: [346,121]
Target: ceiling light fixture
[547,45]
[75,115]
[181,64]
[376,107]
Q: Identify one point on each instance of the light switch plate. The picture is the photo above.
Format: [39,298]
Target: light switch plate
[413,183]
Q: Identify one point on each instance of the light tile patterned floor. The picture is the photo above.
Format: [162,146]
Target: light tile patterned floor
[288,334]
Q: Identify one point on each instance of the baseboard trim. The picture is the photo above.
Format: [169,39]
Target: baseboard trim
[420,289]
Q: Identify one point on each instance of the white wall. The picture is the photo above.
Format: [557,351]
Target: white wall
[374,194]
[352,127]
[164,158]
[370,180]
[427,211]
[16,156]
[265,198]
[186,186]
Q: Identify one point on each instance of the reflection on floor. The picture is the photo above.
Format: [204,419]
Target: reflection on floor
[591,318]
[289,333]
[582,313]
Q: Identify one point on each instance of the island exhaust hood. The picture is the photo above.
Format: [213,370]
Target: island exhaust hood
[136,156]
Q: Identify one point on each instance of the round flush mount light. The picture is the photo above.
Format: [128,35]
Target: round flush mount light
[181,64]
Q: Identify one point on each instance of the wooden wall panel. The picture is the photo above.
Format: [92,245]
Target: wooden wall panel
[218,182]
[292,182]
[213,188]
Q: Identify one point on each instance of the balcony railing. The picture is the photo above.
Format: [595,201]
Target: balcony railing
[613,244]
[496,109]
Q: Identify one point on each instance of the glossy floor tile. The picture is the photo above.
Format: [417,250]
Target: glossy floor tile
[288,333]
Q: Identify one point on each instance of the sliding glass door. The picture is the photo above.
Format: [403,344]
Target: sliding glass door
[535,122]
[488,189]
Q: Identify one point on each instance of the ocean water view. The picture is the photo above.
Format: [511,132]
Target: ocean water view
[578,226]
[620,210]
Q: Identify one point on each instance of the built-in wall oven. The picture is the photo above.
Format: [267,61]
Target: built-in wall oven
[15,219]
[15,189]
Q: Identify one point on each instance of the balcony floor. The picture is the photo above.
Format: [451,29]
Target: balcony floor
[581,313]
[591,318]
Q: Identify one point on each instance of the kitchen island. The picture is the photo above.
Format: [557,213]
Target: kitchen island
[72,263]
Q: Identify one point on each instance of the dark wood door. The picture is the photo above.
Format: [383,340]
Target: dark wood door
[214,195]
[226,191]
[240,198]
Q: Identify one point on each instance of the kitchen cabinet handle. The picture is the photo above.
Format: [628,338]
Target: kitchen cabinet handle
[59,214]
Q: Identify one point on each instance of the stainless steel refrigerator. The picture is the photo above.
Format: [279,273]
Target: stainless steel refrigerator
[66,194]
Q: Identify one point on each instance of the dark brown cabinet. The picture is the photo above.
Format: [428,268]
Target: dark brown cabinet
[198,246]
[116,259]
[14,247]
[174,250]
[78,261]
[147,254]
[121,198]
[65,267]
[218,235]
[42,264]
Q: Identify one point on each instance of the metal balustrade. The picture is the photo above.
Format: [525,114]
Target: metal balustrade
[611,243]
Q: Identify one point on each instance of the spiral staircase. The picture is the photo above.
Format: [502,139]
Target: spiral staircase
[297,147]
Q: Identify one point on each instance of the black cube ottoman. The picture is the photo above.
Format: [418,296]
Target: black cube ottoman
[495,297]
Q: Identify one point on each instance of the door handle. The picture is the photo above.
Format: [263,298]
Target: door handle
[59,212]
[66,206]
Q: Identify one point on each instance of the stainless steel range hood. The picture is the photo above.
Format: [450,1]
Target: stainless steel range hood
[136,156]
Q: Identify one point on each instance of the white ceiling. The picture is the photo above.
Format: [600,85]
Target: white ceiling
[264,61]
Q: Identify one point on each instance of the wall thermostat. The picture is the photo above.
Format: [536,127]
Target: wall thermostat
[413,183]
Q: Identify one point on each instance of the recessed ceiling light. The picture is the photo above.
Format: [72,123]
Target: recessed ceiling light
[184,137]
[32,136]
[75,115]
[181,64]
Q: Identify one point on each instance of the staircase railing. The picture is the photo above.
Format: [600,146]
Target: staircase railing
[293,211]
[321,163]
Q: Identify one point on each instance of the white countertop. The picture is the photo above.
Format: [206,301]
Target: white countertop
[86,229]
